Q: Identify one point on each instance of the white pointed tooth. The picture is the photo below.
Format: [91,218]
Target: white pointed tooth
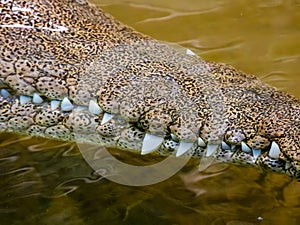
[4,93]
[37,98]
[94,107]
[66,105]
[189,52]
[107,117]
[274,150]
[287,165]
[151,143]
[201,142]
[245,147]
[184,147]
[211,149]
[233,147]
[174,137]
[80,108]
[225,146]
[54,104]
[256,153]
[24,99]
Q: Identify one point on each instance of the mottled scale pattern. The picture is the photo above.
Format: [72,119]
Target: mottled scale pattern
[58,132]
[5,110]
[131,138]
[19,123]
[81,122]
[69,50]
[17,83]
[48,117]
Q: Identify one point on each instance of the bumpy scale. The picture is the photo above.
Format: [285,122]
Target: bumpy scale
[79,75]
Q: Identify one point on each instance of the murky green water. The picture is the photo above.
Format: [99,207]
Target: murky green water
[48,182]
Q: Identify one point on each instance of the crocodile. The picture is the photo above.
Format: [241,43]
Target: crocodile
[71,72]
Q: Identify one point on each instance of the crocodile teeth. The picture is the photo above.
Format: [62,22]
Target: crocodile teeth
[288,165]
[245,147]
[201,143]
[37,98]
[189,52]
[107,117]
[256,153]
[24,99]
[233,147]
[151,143]
[274,150]
[94,107]
[211,149]
[54,104]
[225,146]
[66,105]
[4,93]
[80,108]
[174,138]
[184,147]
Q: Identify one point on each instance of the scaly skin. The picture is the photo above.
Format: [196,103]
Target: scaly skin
[69,52]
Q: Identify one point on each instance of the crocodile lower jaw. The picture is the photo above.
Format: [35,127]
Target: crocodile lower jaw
[111,130]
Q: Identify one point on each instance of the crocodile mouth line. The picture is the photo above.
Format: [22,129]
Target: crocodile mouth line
[33,115]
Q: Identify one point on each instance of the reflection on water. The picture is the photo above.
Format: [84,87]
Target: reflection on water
[48,182]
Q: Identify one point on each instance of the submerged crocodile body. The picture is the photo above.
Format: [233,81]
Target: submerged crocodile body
[69,71]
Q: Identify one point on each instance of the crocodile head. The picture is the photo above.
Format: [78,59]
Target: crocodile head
[69,71]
